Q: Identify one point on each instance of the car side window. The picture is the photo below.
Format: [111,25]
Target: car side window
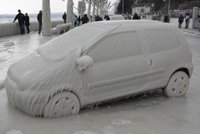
[161,40]
[116,46]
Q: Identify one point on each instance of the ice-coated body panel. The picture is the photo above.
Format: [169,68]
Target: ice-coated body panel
[97,62]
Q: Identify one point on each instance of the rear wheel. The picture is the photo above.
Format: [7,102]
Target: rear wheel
[62,104]
[177,85]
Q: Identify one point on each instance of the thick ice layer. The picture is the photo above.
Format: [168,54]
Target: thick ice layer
[52,78]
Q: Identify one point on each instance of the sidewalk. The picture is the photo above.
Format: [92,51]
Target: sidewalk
[189,30]
[192,31]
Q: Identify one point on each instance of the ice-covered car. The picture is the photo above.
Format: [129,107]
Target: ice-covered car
[98,62]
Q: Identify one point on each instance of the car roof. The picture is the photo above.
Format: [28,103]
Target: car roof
[88,34]
[132,23]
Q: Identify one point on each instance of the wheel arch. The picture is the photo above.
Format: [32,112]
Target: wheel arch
[182,69]
[68,90]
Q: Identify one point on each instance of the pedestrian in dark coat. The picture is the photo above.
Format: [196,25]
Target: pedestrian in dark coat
[180,21]
[84,19]
[39,18]
[106,17]
[20,18]
[166,18]
[78,20]
[187,20]
[27,22]
[136,17]
[64,17]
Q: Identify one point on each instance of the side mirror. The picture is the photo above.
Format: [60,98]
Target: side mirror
[84,62]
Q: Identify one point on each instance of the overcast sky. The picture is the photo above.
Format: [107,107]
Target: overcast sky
[32,6]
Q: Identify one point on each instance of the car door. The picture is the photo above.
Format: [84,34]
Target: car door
[120,67]
[164,54]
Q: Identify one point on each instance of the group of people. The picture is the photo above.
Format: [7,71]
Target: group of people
[82,20]
[23,21]
[77,19]
[181,20]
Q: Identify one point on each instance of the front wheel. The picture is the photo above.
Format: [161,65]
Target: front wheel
[177,85]
[62,104]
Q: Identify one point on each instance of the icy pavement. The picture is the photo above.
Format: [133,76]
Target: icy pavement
[13,48]
[146,114]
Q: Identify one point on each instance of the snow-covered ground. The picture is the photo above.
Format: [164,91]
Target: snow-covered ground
[146,114]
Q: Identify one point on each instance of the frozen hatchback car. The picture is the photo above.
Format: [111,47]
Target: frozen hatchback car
[98,62]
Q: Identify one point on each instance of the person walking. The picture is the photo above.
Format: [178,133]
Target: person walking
[64,17]
[187,20]
[84,19]
[166,18]
[180,21]
[136,17]
[39,18]
[27,22]
[106,17]
[20,18]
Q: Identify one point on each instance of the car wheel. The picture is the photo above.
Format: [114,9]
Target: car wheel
[62,104]
[177,85]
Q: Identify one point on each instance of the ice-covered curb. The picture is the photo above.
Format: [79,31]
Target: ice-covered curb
[14,132]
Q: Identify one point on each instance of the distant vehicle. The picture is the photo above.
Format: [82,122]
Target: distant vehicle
[117,17]
[98,62]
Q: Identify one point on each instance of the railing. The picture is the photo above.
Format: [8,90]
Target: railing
[12,28]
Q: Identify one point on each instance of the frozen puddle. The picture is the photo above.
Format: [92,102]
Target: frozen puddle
[119,122]
[14,132]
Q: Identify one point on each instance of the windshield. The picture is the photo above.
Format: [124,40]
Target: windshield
[82,36]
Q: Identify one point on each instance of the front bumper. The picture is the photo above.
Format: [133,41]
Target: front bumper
[28,101]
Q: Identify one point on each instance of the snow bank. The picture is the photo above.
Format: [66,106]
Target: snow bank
[52,77]
[61,28]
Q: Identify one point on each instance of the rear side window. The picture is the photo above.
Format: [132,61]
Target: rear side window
[116,46]
[161,40]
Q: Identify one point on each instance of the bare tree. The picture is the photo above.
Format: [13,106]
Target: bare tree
[89,9]
[104,6]
[46,18]
[100,7]
[70,5]
[81,8]
[93,12]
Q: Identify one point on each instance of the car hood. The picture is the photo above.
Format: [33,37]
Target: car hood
[34,72]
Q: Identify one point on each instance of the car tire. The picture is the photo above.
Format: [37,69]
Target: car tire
[62,104]
[177,85]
